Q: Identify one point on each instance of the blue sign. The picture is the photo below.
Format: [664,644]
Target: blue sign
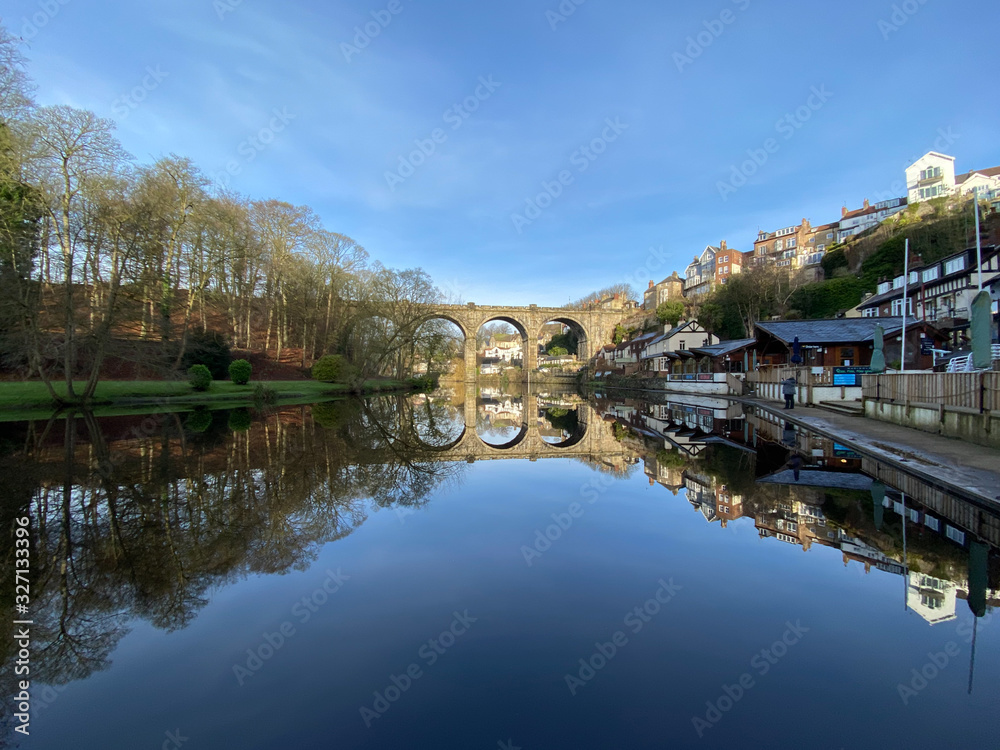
[849,376]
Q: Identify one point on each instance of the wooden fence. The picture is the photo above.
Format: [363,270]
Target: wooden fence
[803,375]
[964,390]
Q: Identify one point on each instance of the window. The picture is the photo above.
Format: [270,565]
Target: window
[869,312]
[954,534]
[897,307]
[884,287]
[931,273]
[954,265]
[897,283]
[822,248]
[930,173]
[792,242]
[932,523]
[724,259]
[932,192]
[829,235]
[779,245]
[914,277]
[812,239]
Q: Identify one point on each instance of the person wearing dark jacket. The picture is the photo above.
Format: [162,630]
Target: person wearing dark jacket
[788,391]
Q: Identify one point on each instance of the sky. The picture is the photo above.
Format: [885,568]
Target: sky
[532,152]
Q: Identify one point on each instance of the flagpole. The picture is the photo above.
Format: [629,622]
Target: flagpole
[906,281]
[979,240]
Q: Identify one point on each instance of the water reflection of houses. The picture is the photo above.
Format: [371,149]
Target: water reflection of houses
[810,491]
[502,410]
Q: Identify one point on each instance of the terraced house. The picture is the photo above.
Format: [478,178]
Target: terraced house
[940,293]
[795,247]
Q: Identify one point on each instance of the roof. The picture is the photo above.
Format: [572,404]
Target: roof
[832,331]
[819,478]
[991,172]
[674,331]
[724,348]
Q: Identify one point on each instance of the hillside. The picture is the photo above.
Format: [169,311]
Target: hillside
[935,229]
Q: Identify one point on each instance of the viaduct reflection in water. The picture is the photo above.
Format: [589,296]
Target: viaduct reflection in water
[139,517]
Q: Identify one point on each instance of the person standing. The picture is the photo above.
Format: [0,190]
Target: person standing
[788,391]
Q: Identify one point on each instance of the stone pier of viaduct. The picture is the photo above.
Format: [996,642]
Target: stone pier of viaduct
[594,328]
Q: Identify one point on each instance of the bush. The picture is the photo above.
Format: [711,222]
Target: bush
[333,415]
[240,420]
[264,394]
[210,349]
[200,377]
[424,382]
[240,371]
[332,368]
[198,421]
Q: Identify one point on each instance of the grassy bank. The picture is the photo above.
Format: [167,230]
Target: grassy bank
[33,396]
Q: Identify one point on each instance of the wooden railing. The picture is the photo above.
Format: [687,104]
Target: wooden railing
[965,390]
[803,375]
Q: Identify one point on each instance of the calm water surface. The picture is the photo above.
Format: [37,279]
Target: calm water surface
[532,570]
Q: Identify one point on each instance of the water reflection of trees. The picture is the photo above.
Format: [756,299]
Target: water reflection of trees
[145,526]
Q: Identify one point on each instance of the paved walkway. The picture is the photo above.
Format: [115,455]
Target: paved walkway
[965,469]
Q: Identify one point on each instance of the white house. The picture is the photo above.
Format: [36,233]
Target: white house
[933,175]
[658,353]
[930,176]
[507,349]
[866,217]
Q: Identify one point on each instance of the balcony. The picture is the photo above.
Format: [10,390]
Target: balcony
[922,181]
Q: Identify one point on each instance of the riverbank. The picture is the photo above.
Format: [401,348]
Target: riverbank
[20,399]
[963,469]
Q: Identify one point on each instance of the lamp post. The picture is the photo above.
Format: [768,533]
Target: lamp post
[906,281]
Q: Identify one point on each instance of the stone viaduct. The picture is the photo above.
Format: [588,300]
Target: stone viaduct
[594,328]
[594,441]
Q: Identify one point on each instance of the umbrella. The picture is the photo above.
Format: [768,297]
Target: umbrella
[878,356]
[796,352]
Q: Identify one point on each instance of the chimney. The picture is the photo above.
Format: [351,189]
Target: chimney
[867,205]
[843,211]
[651,284]
[722,245]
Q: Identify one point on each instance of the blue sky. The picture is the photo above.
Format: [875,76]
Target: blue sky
[890,92]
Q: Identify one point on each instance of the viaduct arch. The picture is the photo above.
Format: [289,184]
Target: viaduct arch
[595,327]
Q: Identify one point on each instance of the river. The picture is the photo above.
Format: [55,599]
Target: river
[534,570]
